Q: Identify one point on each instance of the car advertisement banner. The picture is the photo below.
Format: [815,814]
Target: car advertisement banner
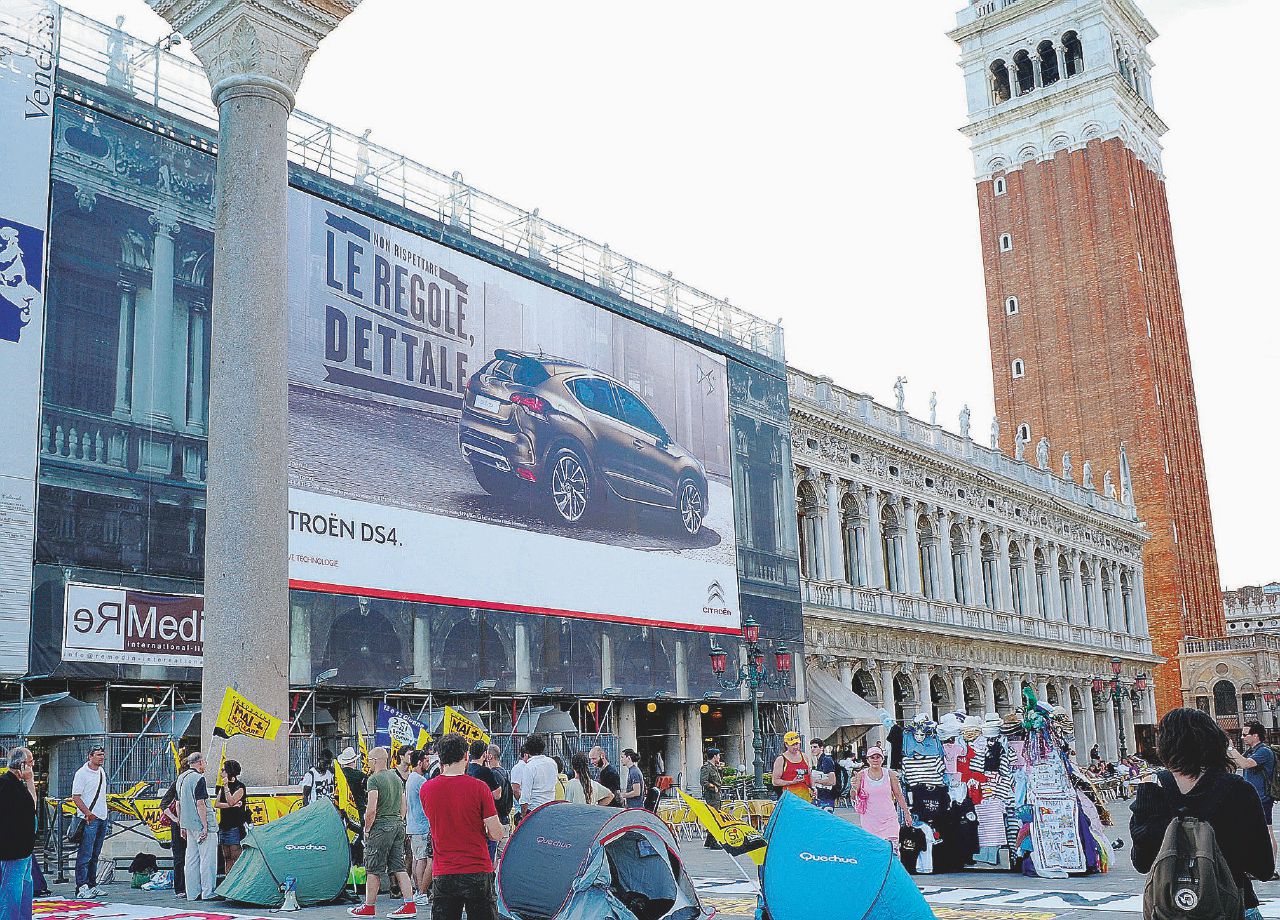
[465,436]
[28,49]
[122,626]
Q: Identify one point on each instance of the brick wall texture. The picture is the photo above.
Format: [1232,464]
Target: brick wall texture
[1101,332]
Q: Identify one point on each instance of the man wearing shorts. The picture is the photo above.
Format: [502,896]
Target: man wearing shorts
[418,827]
[384,834]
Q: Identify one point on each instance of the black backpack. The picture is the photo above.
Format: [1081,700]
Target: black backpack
[841,788]
[506,799]
[1190,878]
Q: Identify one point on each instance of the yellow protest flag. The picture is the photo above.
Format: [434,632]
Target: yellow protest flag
[177,758]
[455,721]
[346,802]
[364,753]
[737,837]
[237,716]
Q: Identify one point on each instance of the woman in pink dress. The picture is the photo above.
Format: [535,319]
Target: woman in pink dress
[883,793]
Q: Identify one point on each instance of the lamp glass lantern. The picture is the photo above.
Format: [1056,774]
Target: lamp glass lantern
[719,660]
[1116,666]
[1098,684]
[750,631]
[1140,683]
[782,660]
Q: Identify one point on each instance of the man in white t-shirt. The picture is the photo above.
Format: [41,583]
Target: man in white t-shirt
[517,784]
[89,793]
[538,783]
[199,827]
[318,782]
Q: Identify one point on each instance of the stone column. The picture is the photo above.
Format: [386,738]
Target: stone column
[1042,690]
[957,689]
[627,737]
[912,548]
[975,563]
[1110,741]
[1127,719]
[1140,626]
[693,744]
[948,586]
[846,674]
[1030,585]
[875,546]
[159,391]
[524,661]
[835,535]
[989,691]
[197,414]
[1099,615]
[1083,721]
[887,701]
[606,660]
[124,350]
[1006,572]
[1077,590]
[924,691]
[255,55]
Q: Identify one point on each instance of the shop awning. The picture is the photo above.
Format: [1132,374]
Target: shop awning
[546,720]
[57,715]
[182,722]
[833,706]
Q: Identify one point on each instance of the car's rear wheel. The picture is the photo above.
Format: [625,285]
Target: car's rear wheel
[690,506]
[495,482]
[569,484]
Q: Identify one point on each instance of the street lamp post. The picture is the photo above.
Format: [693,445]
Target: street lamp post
[1116,692]
[754,676]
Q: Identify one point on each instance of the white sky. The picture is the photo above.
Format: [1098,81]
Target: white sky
[807,165]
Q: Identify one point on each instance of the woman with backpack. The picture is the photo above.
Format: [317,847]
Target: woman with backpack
[1226,830]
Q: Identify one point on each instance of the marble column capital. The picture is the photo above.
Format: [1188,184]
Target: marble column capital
[257,45]
[165,223]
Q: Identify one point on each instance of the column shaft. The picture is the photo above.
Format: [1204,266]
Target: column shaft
[875,548]
[247,580]
[912,549]
[124,351]
[989,692]
[947,590]
[835,537]
[159,389]
[1006,573]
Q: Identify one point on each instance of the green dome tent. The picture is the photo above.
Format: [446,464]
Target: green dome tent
[309,844]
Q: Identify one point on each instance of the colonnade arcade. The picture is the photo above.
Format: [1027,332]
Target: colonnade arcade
[864,536]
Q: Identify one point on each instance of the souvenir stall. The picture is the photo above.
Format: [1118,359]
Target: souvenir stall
[996,793]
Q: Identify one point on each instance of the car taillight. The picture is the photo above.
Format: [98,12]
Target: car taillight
[471,384]
[532,403]
[526,474]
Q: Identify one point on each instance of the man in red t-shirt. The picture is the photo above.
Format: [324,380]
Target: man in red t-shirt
[463,820]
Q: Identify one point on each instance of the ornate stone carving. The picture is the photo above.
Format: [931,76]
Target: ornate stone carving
[270,40]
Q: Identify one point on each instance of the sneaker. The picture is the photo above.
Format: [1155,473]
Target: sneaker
[364,910]
[97,892]
[407,909]
[422,900]
[84,892]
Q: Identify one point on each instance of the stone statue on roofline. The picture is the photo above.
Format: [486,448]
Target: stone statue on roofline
[1086,476]
[933,408]
[900,391]
[964,421]
[1042,453]
[1020,446]
[1108,487]
[995,433]
[1066,465]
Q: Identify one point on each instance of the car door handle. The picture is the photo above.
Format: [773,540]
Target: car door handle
[640,445]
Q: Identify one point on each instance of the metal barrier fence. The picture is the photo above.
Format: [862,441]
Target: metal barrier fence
[131,759]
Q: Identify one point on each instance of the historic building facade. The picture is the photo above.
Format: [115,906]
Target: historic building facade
[939,574]
[1236,677]
[1088,342]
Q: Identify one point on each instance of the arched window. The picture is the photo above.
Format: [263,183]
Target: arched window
[812,533]
[974,701]
[1048,63]
[891,545]
[1002,696]
[1072,54]
[1024,432]
[1010,306]
[1019,369]
[990,576]
[1064,590]
[940,694]
[1024,78]
[928,550]
[1006,242]
[1017,569]
[855,541]
[1044,586]
[999,185]
[1224,699]
[864,684]
[960,565]
[904,696]
[999,83]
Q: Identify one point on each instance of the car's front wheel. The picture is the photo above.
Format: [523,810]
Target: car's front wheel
[569,484]
[495,482]
[690,506]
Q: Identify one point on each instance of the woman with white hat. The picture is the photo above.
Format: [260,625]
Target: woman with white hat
[876,793]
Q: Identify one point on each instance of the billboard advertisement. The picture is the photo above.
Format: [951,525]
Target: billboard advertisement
[111,625]
[462,435]
[28,48]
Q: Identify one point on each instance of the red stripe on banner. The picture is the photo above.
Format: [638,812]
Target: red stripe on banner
[494,605]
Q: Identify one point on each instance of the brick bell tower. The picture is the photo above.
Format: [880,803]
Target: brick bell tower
[1088,341]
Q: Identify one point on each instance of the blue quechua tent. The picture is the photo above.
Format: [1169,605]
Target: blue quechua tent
[855,873]
[584,862]
[310,845]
